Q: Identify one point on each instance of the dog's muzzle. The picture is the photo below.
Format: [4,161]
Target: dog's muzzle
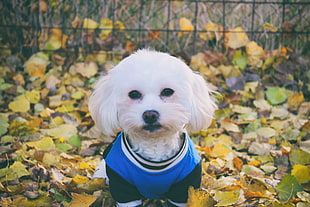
[151,117]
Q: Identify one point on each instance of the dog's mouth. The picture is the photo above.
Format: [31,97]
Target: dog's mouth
[152,127]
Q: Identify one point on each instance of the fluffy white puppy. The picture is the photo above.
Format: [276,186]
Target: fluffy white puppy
[155,100]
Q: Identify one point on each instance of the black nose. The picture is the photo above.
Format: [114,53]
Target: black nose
[150,116]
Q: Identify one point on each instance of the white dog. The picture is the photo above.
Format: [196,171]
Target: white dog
[154,100]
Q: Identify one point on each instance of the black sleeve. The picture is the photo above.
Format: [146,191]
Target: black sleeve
[179,191]
[120,189]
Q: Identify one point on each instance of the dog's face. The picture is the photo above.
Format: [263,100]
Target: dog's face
[151,94]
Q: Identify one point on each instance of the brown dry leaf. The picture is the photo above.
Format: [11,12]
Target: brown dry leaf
[79,200]
[295,100]
[238,163]
[237,38]
[86,69]
[154,34]
[255,53]
[199,198]
[76,22]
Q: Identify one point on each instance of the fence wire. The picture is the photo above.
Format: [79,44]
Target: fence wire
[121,25]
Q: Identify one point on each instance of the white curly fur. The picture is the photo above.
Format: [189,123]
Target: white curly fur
[189,108]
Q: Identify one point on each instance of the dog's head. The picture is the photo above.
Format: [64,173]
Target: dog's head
[151,94]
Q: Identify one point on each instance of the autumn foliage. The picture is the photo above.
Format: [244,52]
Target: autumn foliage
[256,152]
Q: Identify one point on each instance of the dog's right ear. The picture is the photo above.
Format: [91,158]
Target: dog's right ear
[102,106]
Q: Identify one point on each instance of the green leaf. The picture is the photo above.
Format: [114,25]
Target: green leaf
[3,125]
[288,188]
[240,59]
[276,95]
[75,140]
[299,157]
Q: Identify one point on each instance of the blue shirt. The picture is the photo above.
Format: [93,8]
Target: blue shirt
[152,179]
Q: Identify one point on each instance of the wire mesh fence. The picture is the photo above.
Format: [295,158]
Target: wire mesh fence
[88,26]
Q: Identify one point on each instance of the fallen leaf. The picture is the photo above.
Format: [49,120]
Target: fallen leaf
[229,126]
[288,188]
[79,179]
[79,200]
[295,100]
[199,198]
[90,25]
[270,27]
[226,198]
[105,26]
[240,59]
[237,38]
[63,131]
[3,125]
[301,173]
[86,69]
[185,26]
[220,150]
[255,54]
[276,95]
[45,143]
[22,104]
[209,31]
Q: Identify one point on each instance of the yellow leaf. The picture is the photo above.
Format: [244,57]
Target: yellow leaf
[36,65]
[84,165]
[226,198]
[46,143]
[185,26]
[77,95]
[210,31]
[20,105]
[90,25]
[198,61]
[62,131]
[220,150]
[33,96]
[79,179]
[19,169]
[301,173]
[199,198]
[79,200]
[256,54]
[237,38]
[106,26]
[254,163]
[270,27]
[51,159]
[119,25]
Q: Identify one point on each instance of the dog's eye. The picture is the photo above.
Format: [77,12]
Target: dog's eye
[134,95]
[166,92]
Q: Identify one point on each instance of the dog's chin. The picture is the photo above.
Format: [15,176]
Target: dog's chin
[152,128]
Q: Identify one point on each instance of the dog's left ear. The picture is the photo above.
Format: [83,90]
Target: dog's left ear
[202,106]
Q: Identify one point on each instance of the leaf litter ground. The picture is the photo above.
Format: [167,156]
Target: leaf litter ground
[256,152]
